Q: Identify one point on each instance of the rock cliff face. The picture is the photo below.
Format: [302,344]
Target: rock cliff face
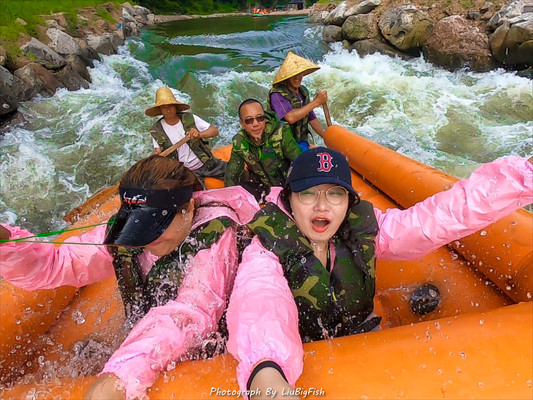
[60,53]
[449,35]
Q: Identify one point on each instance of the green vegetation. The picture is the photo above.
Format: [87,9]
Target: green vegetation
[105,15]
[30,10]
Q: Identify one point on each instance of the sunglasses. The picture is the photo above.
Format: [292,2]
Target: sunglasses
[250,121]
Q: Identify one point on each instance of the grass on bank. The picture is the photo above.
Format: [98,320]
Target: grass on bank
[30,11]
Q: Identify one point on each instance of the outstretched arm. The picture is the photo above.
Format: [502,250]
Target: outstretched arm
[33,266]
[263,318]
[169,331]
[492,192]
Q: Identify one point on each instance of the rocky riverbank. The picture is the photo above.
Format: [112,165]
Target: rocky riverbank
[476,34]
[59,54]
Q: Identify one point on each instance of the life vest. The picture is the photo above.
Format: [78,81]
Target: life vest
[329,304]
[300,129]
[267,162]
[164,278]
[199,146]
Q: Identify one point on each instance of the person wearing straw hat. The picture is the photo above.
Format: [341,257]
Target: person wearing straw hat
[167,234]
[290,100]
[175,124]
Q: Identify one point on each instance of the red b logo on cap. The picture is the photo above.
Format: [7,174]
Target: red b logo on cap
[325,162]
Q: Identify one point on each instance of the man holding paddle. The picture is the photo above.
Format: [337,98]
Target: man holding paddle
[176,125]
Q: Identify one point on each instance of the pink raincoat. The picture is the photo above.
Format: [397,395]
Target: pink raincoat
[262,315]
[166,332]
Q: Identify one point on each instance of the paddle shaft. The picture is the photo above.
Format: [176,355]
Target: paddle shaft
[326,114]
[175,146]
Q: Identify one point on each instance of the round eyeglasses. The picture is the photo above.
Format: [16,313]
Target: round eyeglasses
[335,195]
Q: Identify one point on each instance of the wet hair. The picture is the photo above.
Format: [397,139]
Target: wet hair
[157,172]
[249,101]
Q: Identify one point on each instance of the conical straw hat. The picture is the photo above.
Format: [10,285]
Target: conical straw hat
[292,66]
[164,97]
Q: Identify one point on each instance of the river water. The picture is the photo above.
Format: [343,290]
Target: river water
[76,143]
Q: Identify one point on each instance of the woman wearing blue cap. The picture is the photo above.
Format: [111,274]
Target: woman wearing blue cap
[167,234]
[309,272]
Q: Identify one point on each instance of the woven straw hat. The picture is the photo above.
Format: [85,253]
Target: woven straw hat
[292,66]
[165,97]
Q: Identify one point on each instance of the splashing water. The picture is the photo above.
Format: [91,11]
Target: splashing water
[76,143]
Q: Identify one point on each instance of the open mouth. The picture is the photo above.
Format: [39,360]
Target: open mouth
[320,224]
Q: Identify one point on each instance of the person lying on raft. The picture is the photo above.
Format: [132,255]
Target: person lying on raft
[309,272]
[265,145]
[175,125]
[188,241]
[290,100]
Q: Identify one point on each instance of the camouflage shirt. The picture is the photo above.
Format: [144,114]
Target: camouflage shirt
[300,129]
[267,162]
[330,304]
[164,278]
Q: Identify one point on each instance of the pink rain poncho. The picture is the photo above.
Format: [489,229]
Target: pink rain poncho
[166,332]
[262,315]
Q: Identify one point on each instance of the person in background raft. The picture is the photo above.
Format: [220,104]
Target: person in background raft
[290,100]
[265,145]
[188,239]
[175,125]
[309,272]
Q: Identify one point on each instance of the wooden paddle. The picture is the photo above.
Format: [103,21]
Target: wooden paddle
[326,114]
[105,194]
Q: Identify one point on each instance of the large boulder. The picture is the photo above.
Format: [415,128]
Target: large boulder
[371,46]
[487,11]
[359,27]
[76,64]
[336,17]
[42,54]
[514,9]
[3,56]
[318,12]
[12,91]
[41,80]
[512,42]
[70,78]
[456,43]
[131,28]
[405,27]
[332,33]
[105,44]
[363,7]
[88,54]
[62,42]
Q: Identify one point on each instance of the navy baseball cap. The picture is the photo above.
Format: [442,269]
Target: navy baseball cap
[317,166]
[145,214]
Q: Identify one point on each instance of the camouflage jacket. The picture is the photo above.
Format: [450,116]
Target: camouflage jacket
[267,162]
[300,129]
[330,304]
[162,282]
[199,146]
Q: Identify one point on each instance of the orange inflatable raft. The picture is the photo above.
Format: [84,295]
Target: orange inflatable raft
[476,343]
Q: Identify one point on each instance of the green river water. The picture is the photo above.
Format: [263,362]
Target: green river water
[76,143]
